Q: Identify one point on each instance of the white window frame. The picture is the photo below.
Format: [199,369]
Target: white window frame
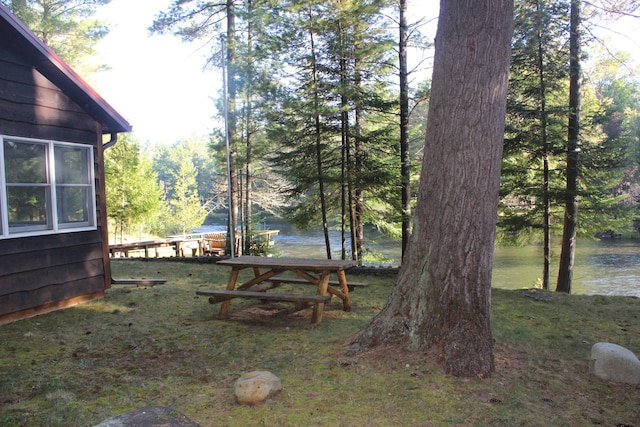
[53,224]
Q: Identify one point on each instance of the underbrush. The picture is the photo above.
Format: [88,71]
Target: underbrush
[163,345]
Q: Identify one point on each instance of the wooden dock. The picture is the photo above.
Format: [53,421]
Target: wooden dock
[177,245]
[194,244]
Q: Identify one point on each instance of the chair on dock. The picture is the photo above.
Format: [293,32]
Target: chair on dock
[214,243]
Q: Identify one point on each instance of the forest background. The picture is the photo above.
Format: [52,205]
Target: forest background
[325,127]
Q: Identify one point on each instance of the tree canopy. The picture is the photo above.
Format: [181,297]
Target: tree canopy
[66,26]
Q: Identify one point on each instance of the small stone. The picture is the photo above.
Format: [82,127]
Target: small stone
[256,387]
[149,416]
[537,295]
[614,363]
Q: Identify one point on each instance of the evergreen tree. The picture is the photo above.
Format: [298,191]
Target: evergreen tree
[194,20]
[257,64]
[168,159]
[534,165]
[305,143]
[132,191]
[65,26]
[531,182]
[341,76]
[185,207]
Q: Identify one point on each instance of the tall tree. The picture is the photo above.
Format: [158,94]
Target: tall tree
[232,131]
[569,232]
[257,66]
[133,194]
[186,208]
[405,159]
[535,121]
[442,297]
[302,145]
[193,20]
[534,182]
[341,75]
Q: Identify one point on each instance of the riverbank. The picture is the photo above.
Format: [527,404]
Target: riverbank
[602,267]
[163,345]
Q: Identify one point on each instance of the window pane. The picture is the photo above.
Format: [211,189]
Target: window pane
[72,165]
[27,207]
[25,162]
[73,204]
[39,202]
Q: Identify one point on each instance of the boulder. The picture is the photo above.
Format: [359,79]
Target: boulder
[149,416]
[256,387]
[614,363]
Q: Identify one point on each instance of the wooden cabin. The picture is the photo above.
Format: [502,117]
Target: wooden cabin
[54,128]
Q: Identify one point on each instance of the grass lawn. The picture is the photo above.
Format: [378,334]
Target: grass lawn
[163,345]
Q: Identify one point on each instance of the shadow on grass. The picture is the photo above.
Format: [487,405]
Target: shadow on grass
[163,345]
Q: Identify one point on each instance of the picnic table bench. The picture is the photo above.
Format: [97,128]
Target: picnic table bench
[351,285]
[308,271]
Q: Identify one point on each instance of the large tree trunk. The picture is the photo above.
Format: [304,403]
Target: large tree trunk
[567,256]
[442,298]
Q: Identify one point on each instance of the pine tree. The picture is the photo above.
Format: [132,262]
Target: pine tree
[340,80]
[535,126]
[186,209]
[66,26]
[133,194]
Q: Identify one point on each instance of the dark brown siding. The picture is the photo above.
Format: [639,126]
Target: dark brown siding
[46,272]
[30,106]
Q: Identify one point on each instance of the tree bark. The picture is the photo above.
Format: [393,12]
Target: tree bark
[442,297]
[318,138]
[405,160]
[232,120]
[569,231]
[248,204]
[546,191]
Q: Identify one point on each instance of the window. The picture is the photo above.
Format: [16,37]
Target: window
[45,187]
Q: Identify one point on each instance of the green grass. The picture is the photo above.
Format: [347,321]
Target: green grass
[163,345]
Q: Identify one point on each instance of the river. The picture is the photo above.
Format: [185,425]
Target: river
[602,267]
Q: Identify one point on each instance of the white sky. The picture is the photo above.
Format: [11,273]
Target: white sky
[158,84]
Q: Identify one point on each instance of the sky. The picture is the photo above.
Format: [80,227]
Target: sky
[158,82]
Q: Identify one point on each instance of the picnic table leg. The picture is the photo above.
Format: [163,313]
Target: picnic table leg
[224,307]
[346,301]
[318,307]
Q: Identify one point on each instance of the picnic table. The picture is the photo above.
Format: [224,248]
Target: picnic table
[266,271]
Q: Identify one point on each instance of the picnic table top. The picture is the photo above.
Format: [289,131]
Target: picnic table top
[317,264]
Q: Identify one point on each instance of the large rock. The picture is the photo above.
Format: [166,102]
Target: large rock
[614,363]
[149,416]
[256,387]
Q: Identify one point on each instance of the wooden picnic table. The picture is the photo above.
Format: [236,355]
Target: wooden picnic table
[266,270]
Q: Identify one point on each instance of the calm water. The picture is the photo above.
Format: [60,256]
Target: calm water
[610,267]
